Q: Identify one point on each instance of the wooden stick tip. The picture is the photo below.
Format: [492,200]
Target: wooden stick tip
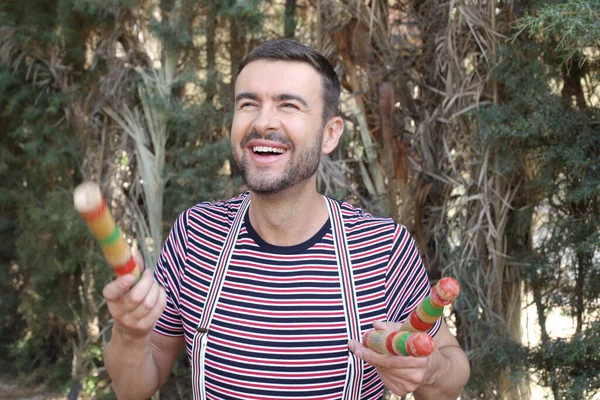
[87,197]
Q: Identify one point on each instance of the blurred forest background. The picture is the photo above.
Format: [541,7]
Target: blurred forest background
[475,123]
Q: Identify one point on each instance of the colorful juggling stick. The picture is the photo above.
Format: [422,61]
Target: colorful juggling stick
[416,344]
[410,339]
[91,205]
[431,308]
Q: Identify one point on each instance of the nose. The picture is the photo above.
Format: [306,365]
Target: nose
[267,120]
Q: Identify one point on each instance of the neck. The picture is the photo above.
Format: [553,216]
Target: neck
[290,217]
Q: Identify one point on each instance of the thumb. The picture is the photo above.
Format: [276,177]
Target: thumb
[139,259]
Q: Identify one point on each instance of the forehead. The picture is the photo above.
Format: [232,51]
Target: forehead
[272,77]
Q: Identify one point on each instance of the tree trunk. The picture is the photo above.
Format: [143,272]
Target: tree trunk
[541,314]
[386,109]
[289,24]
[211,37]
[237,48]
[584,265]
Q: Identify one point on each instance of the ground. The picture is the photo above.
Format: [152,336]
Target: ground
[13,389]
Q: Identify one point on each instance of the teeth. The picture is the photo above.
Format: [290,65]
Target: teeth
[265,149]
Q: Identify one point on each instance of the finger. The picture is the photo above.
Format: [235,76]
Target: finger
[147,304]
[118,288]
[407,378]
[139,292]
[386,326]
[151,318]
[407,381]
[384,360]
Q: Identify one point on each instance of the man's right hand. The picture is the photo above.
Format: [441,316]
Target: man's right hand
[138,359]
[135,307]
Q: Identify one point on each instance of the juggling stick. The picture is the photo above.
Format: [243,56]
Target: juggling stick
[410,339]
[431,308]
[416,344]
[91,205]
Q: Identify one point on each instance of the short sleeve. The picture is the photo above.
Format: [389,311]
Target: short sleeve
[168,272]
[407,283]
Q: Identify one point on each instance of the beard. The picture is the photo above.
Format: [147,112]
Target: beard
[302,165]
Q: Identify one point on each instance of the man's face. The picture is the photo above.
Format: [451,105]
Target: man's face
[277,132]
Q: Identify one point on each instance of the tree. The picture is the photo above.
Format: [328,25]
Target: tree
[47,121]
[549,132]
[472,123]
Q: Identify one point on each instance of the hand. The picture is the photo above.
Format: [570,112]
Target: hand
[135,309]
[400,374]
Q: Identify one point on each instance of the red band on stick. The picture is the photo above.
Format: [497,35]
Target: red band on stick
[389,343]
[126,268]
[444,292]
[419,325]
[419,345]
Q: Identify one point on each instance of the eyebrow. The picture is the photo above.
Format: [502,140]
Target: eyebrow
[279,97]
[246,95]
[287,96]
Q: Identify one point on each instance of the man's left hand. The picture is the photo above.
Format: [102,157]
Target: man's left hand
[439,376]
[400,374]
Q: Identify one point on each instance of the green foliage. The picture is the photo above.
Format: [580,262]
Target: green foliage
[497,353]
[175,25]
[248,12]
[489,344]
[574,364]
[46,261]
[43,260]
[540,127]
[99,9]
[568,26]
[545,130]
[197,177]
[539,130]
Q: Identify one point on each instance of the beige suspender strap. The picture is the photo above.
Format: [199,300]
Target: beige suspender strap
[200,340]
[355,370]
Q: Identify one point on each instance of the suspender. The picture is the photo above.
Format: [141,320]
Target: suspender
[354,374]
[201,336]
[355,368]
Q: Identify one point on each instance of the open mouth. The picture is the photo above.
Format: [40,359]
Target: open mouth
[267,151]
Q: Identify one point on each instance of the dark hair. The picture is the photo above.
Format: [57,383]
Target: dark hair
[291,50]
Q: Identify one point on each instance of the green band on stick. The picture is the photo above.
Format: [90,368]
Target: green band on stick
[430,309]
[114,236]
[402,343]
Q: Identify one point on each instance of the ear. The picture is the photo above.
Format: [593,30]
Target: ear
[331,134]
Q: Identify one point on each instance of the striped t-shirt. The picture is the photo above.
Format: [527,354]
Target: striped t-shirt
[278,331]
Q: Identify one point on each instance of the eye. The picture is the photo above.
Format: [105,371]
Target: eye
[289,105]
[246,104]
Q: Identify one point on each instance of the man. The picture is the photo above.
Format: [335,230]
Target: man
[268,291]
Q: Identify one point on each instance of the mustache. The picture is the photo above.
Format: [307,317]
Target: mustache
[272,136]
